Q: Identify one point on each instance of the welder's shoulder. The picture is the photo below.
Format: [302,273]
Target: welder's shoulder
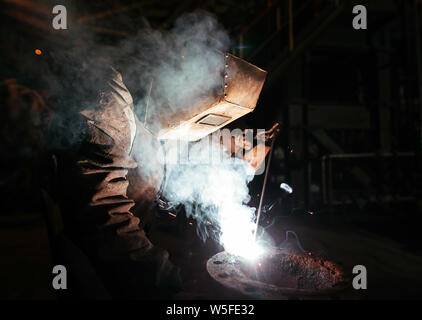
[118,89]
[112,96]
[112,113]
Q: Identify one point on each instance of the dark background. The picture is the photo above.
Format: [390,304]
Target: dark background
[349,103]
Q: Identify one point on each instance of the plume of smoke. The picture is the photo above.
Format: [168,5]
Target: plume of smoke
[172,72]
[177,70]
[213,187]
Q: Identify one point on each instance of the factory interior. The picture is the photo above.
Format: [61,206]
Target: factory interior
[341,184]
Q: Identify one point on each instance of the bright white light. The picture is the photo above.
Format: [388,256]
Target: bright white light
[249,250]
[214,188]
[286,187]
[237,230]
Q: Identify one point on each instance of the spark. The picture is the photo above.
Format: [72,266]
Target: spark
[286,187]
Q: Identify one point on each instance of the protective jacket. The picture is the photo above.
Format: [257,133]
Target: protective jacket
[95,207]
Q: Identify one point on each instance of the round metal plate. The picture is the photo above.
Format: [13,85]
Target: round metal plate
[229,270]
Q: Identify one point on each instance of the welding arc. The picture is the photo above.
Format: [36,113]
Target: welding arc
[267,169]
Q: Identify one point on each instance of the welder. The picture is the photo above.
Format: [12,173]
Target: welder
[95,233]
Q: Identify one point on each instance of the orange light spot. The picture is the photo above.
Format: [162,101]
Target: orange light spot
[38,52]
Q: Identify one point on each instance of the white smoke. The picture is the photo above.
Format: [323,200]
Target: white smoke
[169,72]
[213,187]
[176,70]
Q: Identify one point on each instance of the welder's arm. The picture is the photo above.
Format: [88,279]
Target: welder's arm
[109,233]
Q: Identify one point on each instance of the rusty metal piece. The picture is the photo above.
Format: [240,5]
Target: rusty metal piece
[241,85]
[278,275]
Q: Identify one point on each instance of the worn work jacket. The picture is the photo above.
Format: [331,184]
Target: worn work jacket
[96,210]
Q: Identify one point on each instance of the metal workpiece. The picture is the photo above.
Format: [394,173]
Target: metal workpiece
[278,275]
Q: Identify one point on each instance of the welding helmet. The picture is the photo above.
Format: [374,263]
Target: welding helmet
[236,94]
